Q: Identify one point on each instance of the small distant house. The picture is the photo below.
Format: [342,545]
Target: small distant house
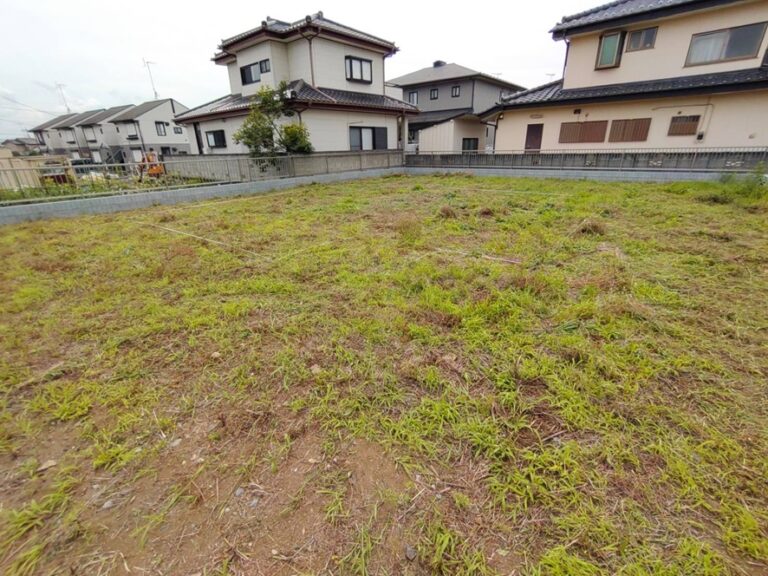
[151,126]
[21,146]
[450,98]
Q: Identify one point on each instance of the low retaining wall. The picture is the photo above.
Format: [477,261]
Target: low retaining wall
[132,201]
[574,174]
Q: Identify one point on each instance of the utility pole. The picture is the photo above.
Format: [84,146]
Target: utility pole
[147,65]
[61,87]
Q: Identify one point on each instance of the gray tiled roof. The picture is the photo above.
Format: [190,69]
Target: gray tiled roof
[614,10]
[444,72]
[51,123]
[78,118]
[284,28]
[427,119]
[139,110]
[103,115]
[553,92]
[306,94]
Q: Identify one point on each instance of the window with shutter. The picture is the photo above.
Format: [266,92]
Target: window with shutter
[684,126]
[583,132]
[634,130]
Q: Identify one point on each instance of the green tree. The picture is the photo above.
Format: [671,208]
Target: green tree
[262,131]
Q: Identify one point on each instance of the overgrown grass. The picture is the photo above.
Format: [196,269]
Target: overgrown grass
[571,376]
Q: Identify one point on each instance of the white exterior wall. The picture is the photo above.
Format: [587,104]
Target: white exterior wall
[437,138]
[393,91]
[297,54]
[727,120]
[329,130]
[230,126]
[448,136]
[330,67]
[247,56]
[281,69]
[149,135]
[667,58]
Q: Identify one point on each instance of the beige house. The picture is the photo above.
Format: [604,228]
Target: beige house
[649,74]
[450,97]
[335,77]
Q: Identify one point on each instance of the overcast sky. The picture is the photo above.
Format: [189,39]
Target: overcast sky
[95,49]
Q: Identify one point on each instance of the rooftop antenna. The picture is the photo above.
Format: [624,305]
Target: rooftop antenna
[147,65]
[61,87]
[550,75]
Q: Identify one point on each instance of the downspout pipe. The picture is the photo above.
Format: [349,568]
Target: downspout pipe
[309,37]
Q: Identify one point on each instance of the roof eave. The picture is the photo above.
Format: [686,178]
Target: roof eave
[721,89]
[562,31]
[227,47]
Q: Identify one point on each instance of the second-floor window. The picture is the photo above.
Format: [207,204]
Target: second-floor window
[609,50]
[455,91]
[723,45]
[216,139]
[160,128]
[130,131]
[178,130]
[359,69]
[90,134]
[433,94]
[413,98]
[251,73]
[641,39]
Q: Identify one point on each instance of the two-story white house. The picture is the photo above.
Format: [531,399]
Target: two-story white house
[100,137]
[649,74]
[50,138]
[335,76]
[151,126]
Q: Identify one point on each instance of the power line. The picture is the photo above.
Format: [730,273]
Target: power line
[14,101]
[13,121]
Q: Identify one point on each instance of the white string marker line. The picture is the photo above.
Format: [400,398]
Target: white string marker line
[209,240]
[483,256]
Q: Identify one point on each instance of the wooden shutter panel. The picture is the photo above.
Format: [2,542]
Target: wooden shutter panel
[582,132]
[380,139]
[684,126]
[570,132]
[634,130]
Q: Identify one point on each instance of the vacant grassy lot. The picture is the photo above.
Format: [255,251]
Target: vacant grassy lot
[444,375]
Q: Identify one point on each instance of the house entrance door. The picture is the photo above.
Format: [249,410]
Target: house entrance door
[533,137]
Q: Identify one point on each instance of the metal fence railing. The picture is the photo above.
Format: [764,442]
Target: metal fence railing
[680,159]
[62,179]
